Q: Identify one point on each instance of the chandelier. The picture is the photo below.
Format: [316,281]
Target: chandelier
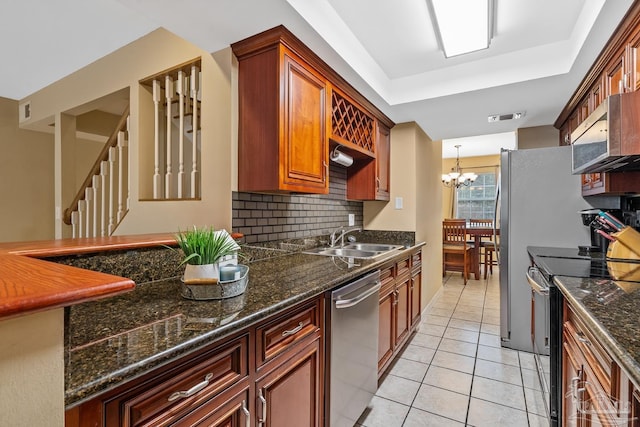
[456,178]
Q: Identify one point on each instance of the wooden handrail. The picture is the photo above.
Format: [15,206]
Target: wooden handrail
[95,170]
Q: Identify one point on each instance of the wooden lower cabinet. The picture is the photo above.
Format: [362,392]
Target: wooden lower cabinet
[596,391]
[415,297]
[291,394]
[270,374]
[222,411]
[386,324]
[399,307]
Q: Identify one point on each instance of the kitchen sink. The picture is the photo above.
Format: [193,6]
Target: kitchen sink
[355,250]
[375,247]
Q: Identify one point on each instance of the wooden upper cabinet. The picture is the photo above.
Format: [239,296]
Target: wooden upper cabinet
[614,76]
[633,68]
[303,139]
[292,107]
[370,179]
[282,135]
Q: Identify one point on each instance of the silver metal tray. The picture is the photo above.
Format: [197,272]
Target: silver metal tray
[221,290]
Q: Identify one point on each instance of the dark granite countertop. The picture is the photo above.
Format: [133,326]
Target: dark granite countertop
[610,310]
[114,340]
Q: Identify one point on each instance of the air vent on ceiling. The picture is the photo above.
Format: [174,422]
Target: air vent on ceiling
[501,117]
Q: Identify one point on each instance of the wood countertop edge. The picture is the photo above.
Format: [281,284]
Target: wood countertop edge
[29,284]
[60,247]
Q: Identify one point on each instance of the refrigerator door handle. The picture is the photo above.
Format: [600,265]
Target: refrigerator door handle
[495,220]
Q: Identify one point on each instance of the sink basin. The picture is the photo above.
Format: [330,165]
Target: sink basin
[375,247]
[355,250]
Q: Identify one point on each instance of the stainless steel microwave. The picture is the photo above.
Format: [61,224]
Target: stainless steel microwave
[609,139]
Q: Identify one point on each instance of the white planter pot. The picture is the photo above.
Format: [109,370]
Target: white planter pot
[201,272]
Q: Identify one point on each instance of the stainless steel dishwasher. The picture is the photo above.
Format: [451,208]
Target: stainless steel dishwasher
[354,348]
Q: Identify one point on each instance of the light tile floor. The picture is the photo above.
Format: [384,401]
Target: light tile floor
[453,372]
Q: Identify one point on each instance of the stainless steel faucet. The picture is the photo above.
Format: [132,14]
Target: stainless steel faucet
[343,232]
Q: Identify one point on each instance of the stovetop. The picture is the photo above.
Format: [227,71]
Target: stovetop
[575,263]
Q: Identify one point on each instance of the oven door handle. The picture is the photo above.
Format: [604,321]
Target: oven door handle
[537,287]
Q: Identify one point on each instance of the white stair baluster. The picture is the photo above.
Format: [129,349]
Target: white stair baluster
[104,170]
[180,90]
[195,79]
[168,92]
[88,197]
[157,180]
[120,150]
[74,224]
[96,207]
[111,207]
[82,208]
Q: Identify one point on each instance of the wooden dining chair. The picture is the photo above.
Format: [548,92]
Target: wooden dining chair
[457,253]
[487,245]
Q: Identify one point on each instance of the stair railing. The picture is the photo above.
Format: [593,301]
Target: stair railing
[103,198]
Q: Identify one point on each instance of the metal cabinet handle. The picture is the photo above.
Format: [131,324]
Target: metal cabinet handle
[377,183]
[293,331]
[193,390]
[326,170]
[574,386]
[263,401]
[247,414]
[581,337]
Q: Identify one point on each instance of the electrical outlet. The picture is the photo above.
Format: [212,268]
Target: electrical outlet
[352,220]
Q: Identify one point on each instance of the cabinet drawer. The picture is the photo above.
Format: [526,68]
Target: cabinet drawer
[286,331]
[403,267]
[210,374]
[387,282]
[416,261]
[594,354]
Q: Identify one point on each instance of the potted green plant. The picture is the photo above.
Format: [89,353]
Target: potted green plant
[203,248]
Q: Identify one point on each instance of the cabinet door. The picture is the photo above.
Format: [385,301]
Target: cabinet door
[291,394]
[633,71]
[416,285]
[385,326]
[614,76]
[572,381]
[221,412]
[383,163]
[565,134]
[402,309]
[304,143]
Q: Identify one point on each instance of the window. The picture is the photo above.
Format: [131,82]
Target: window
[478,199]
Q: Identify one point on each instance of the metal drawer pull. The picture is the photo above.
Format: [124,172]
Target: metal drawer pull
[580,337]
[247,414]
[193,390]
[262,420]
[293,331]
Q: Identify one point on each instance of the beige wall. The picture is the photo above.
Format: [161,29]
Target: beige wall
[157,51]
[537,137]
[468,164]
[415,176]
[32,370]
[26,184]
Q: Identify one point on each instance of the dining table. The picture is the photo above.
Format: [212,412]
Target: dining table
[478,232]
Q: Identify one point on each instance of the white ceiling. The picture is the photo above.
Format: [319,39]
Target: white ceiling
[540,52]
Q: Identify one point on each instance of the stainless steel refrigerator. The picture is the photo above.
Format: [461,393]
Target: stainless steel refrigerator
[540,201]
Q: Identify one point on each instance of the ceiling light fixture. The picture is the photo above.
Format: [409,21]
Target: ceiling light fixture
[456,178]
[462,26]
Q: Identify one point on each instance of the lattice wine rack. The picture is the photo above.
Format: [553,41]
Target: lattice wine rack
[351,124]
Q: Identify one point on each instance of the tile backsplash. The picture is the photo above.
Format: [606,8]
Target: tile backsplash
[267,217]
